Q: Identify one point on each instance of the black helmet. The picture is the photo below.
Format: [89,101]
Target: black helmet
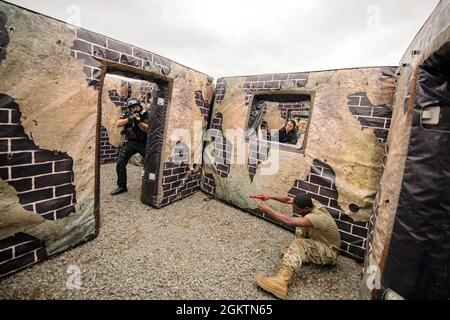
[132,102]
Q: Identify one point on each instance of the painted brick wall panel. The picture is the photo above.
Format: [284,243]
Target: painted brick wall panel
[88,60]
[353,234]
[53,180]
[120,47]
[21,185]
[106,54]
[15,158]
[179,180]
[6,255]
[27,247]
[131,61]
[142,54]
[8,131]
[4,145]
[4,36]
[15,264]
[221,146]
[161,61]
[63,165]
[46,155]
[369,115]
[4,116]
[19,251]
[64,190]
[108,153]
[4,173]
[62,213]
[203,104]
[54,204]
[34,196]
[272,82]
[221,90]
[15,116]
[91,37]
[27,163]
[82,46]
[22,144]
[32,170]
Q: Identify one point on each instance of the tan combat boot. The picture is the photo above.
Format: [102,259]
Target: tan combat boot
[277,285]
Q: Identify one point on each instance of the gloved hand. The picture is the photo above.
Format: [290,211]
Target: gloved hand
[134,118]
[131,119]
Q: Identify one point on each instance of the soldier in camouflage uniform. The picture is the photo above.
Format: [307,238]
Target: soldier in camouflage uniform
[317,240]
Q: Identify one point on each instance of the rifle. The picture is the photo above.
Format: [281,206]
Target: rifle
[132,117]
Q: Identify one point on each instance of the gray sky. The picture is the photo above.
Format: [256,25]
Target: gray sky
[237,37]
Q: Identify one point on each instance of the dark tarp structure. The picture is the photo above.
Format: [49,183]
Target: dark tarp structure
[409,242]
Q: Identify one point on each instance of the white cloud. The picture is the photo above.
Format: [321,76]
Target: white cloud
[235,37]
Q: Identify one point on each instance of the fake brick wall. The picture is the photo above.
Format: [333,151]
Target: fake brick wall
[92,48]
[108,153]
[4,35]
[220,90]
[19,251]
[209,184]
[42,178]
[119,101]
[179,180]
[222,147]
[292,108]
[204,105]
[321,185]
[273,82]
[259,152]
[369,115]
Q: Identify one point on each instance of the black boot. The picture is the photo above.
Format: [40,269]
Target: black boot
[119,190]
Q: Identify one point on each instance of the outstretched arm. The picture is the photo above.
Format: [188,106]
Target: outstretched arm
[282,199]
[290,221]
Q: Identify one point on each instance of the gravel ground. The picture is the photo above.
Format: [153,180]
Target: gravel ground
[192,249]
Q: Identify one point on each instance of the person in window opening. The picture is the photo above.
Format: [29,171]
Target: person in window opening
[135,121]
[288,134]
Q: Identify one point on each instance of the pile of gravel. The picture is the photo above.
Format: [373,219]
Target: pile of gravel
[192,249]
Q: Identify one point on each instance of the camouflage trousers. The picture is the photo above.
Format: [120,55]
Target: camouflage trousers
[304,250]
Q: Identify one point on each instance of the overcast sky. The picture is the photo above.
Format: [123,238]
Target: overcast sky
[238,37]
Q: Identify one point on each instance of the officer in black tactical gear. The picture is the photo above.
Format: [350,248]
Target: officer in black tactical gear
[135,120]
